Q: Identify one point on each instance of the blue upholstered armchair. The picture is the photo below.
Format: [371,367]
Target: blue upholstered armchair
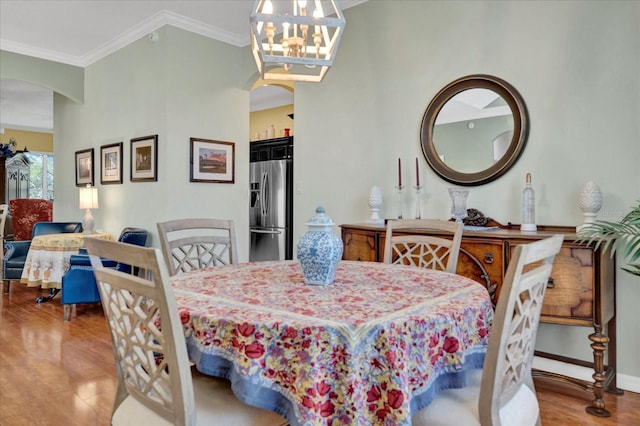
[79,283]
[16,251]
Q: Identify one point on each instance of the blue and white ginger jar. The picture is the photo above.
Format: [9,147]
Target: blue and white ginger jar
[319,250]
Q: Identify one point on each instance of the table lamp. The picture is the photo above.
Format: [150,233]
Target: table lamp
[88,201]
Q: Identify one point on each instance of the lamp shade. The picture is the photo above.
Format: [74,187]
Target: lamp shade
[89,197]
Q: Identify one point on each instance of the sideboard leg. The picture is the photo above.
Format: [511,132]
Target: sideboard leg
[612,357]
[599,346]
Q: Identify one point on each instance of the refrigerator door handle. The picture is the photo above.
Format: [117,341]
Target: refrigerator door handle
[264,231]
[263,190]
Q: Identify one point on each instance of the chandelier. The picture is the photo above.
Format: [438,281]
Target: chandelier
[302,43]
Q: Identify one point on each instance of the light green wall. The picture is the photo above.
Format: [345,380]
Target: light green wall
[576,64]
[183,86]
[65,79]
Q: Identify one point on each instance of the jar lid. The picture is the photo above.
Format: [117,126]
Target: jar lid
[320,219]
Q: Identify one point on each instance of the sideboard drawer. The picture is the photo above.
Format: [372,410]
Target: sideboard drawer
[360,245]
[569,297]
[571,292]
[483,261]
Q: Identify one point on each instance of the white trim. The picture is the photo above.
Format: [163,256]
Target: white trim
[142,29]
[10,126]
[50,55]
[623,381]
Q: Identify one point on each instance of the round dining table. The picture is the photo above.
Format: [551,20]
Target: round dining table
[373,347]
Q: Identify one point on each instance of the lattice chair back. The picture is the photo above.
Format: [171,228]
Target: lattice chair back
[503,393]
[426,251]
[191,244]
[26,212]
[507,393]
[152,364]
[156,385]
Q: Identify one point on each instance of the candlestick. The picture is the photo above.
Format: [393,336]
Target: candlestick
[399,188]
[418,212]
[399,173]
[417,173]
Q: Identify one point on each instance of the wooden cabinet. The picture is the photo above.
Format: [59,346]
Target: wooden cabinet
[14,178]
[581,289]
[271,149]
[14,183]
[483,260]
[361,244]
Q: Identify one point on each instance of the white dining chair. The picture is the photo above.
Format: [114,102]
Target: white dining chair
[427,251]
[502,392]
[155,383]
[191,244]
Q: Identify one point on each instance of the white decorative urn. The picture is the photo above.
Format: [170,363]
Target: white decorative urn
[319,250]
[590,203]
[375,201]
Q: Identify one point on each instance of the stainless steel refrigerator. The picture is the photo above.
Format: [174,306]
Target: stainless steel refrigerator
[271,210]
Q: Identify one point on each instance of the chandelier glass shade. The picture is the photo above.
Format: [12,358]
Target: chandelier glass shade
[295,35]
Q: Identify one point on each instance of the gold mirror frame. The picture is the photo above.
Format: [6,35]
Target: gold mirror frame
[518,141]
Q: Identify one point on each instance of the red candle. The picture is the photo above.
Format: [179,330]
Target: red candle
[417,173]
[399,173]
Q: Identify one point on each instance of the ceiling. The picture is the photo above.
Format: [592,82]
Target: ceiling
[82,32]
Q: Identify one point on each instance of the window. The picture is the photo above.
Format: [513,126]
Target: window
[40,175]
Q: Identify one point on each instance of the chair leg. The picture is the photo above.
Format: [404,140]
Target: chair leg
[69,311]
[5,286]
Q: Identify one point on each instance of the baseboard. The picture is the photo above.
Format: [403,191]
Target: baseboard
[626,382]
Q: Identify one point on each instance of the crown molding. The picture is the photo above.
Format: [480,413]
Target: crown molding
[36,52]
[147,26]
[9,126]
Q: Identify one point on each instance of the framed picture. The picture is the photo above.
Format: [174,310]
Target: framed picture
[144,159]
[212,161]
[84,167]
[111,163]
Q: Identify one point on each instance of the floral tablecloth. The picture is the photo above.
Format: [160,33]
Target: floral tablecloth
[372,348]
[48,257]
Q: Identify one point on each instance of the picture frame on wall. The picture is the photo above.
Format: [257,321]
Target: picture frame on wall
[212,161]
[84,167]
[144,159]
[111,163]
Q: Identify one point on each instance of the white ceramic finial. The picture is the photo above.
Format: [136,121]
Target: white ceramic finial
[375,201]
[590,203]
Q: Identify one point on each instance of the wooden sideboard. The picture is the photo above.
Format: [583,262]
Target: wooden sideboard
[581,289]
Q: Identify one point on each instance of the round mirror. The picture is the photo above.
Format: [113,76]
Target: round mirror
[474,130]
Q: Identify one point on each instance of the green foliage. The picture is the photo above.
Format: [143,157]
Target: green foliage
[622,237]
[40,178]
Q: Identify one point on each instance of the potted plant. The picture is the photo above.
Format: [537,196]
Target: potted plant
[622,237]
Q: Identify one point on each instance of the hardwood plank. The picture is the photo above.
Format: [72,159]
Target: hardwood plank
[62,373]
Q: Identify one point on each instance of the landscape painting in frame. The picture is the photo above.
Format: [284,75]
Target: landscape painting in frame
[212,161]
[84,167]
[111,163]
[144,159]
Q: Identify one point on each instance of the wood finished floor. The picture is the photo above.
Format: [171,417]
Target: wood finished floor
[62,373]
